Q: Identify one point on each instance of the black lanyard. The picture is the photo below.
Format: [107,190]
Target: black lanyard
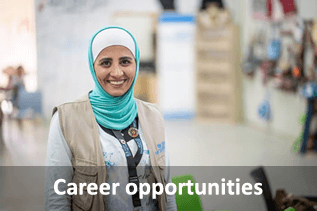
[132,161]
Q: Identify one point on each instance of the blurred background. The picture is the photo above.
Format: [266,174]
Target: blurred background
[236,79]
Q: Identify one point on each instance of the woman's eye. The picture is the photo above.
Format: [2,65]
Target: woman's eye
[125,62]
[105,63]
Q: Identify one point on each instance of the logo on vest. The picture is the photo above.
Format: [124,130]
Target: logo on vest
[108,160]
[161,148]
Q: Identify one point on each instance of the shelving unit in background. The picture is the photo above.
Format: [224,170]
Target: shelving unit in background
[217,71]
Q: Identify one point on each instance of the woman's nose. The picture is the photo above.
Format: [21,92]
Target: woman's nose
[116,72]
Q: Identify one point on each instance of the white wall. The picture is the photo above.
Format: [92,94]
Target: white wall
[307,9]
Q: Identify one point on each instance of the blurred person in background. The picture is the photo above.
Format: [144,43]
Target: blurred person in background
[15,83]
[108,128]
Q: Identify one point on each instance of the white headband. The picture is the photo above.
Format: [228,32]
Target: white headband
[110,37]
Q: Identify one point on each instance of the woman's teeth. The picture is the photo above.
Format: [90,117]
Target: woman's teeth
[116,82]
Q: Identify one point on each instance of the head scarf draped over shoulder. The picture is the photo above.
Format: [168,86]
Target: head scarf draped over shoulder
[112,112]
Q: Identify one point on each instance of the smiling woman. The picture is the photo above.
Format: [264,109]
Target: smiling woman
[108,136]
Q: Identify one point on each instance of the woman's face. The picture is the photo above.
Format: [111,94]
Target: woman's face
[115,69]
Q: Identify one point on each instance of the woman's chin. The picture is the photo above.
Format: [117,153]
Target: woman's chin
[116,93]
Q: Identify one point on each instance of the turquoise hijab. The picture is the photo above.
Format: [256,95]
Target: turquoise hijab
[111,112]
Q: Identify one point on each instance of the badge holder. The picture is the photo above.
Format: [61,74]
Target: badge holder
[132,161]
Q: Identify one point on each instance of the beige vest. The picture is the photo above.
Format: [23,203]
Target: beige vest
[80,130]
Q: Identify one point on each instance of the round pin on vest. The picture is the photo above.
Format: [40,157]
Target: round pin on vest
[122,141]
[133,132]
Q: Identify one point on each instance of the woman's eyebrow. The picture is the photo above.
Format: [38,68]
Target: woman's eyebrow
[105,59]
[126,57]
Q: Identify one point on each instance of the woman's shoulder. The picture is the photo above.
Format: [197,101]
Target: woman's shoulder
[81,99]
[148,107]
[71,105]
[147,104]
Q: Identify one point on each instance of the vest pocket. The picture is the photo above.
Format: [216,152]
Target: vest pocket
[84,201]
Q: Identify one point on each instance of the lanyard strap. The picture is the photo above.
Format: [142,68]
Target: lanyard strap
[132,161]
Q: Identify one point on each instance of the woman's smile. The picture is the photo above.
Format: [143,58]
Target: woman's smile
[117,83]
